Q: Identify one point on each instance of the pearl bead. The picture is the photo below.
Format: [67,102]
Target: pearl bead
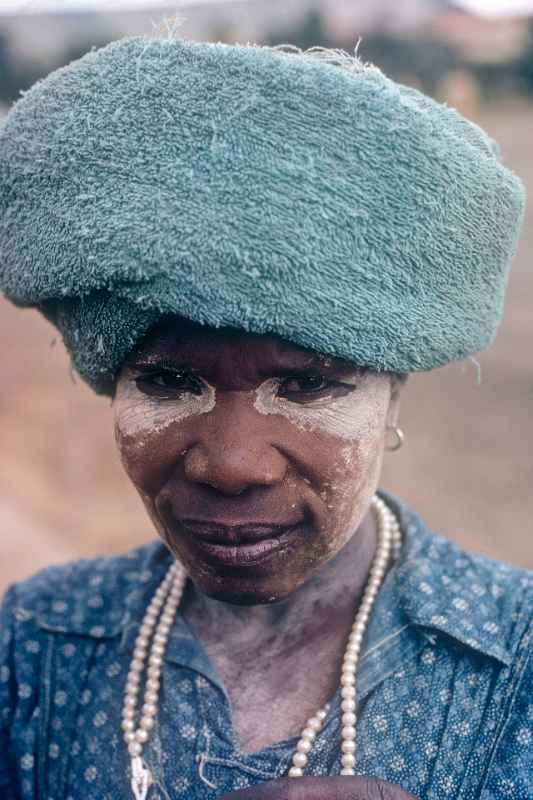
[363,617]
[295,772]
[141,735]
[348,706]
[309,733]
[314,724]
[155,661]
[147,723]
[348,747]
[129,736]
[353,651]
[149,709]
[348,732]
[155,603]
[348,718]
[150,697]
[127,725]
[135,749]
[303,746]
[348,760]
[321,715]
[347,692]
[154,671]
[299,759]
[347,771]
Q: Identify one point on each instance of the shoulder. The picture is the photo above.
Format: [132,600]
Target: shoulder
[484,603]
[89,596]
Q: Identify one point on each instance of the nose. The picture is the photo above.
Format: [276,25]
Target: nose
[235,453]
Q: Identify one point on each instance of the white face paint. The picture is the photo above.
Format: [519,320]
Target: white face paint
[346,416]
[351,416]
[137,413]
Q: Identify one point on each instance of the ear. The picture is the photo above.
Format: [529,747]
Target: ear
[398,381]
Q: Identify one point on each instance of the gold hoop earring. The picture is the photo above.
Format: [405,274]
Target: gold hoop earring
[400,437]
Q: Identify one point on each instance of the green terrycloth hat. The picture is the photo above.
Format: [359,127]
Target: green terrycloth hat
[256,188]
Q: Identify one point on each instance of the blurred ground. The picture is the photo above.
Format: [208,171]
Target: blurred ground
[467,464]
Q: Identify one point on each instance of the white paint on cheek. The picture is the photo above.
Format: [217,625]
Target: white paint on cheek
[137,413]
[351,416]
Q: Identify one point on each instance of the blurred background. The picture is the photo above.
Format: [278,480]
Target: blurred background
[467,464]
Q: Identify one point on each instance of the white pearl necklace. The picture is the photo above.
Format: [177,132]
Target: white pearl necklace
[167,598]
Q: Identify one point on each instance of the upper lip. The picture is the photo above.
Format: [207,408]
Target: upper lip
[222,533]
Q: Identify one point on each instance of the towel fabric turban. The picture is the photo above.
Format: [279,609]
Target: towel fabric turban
[255,188]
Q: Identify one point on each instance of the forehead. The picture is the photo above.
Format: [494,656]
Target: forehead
[206,348]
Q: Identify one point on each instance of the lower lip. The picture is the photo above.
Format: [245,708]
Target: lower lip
[246,554]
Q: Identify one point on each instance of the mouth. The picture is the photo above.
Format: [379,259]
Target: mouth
[238,545]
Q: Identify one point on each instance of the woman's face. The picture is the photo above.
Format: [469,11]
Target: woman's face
[256,459]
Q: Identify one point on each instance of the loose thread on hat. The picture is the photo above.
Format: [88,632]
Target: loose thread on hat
[337,57]
[168,26]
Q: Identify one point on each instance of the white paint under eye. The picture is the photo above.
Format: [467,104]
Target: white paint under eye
[137,413]
[347,416]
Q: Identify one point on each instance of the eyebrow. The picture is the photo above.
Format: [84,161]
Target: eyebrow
[146,364]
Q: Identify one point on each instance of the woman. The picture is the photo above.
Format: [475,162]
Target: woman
[249,249]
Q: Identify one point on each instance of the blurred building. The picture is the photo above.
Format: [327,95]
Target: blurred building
[428,43]
[480,39]
[40,36]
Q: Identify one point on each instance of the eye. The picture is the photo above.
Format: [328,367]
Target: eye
[168,383]
[302,385]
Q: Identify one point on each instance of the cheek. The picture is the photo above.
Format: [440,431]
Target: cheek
[351,475]
[143,457]
[149,433]
[354,478]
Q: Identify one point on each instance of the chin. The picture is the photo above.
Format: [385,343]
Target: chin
[243,591]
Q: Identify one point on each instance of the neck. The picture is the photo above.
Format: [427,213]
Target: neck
[324,605]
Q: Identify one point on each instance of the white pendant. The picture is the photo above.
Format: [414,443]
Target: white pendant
[141,778]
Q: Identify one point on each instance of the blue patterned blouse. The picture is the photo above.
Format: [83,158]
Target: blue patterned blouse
[445,684]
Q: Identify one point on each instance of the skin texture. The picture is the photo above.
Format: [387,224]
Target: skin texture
[356,788]
[257,460]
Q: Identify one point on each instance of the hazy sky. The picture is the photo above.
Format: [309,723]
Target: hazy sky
[498,7]
[34,6]
[488,7]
